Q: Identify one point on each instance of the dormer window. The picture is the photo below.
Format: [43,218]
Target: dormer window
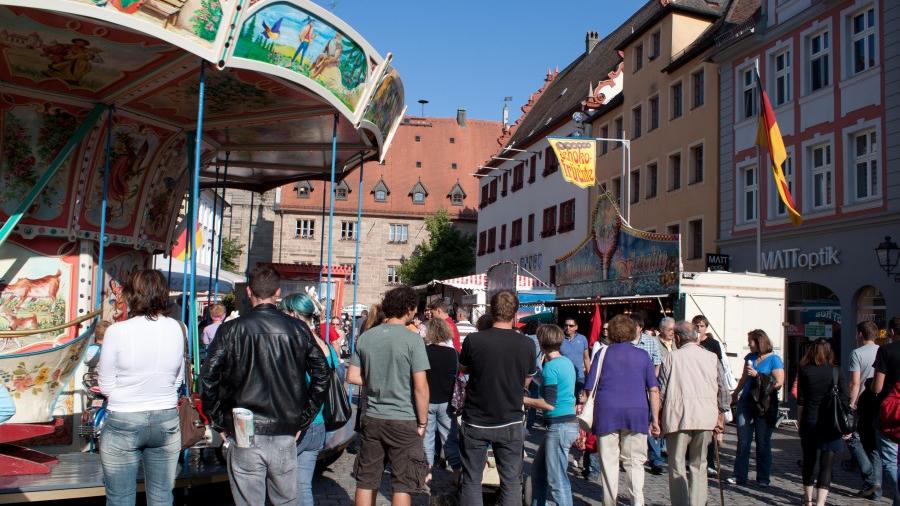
[457,195]
[381,191]
[418,193]
[341,191]
[303,189]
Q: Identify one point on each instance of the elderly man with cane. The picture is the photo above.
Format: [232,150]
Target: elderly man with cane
[693,400]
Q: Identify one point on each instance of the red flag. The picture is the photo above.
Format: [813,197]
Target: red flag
[596,325]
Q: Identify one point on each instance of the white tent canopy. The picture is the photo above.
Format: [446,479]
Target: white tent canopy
[477,282]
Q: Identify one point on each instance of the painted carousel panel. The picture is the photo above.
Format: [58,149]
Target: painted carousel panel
[386,105]
[50,52]
[287,36]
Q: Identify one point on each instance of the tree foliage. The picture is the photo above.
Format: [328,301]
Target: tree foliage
[447,253]
[231,253]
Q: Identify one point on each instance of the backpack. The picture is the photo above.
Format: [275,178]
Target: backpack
[889,414]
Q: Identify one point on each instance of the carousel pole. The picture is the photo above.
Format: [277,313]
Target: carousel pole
[222,224]
[212,240]
[188,219]
[328,302]
[322,237]
[98,302]
[250,232]
[169,276]
[359,203]
[51,171]
[195,194]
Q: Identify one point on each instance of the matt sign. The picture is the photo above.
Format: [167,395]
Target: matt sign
[577,159]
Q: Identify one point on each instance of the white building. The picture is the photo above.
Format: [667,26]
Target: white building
[528,213]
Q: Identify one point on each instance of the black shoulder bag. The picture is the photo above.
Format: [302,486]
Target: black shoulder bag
[337,410]
[835,418]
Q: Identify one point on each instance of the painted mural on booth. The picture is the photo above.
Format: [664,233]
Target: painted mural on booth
[617,260]
[284,35]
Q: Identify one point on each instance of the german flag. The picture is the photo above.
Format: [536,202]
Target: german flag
[768,136]
[181,250]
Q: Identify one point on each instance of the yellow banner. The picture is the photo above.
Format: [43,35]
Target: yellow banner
[577,159]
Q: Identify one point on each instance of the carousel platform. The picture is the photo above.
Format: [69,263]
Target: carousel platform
[79,475]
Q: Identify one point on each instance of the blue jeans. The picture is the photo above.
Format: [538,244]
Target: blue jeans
[869,461]
[129,439]
[887,450]
[440,423]
[308,449]
[548,471]
[654,451]
[752,428]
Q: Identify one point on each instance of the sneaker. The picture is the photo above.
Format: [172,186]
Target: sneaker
[763,485]
[870,492]
[656,470]
[734,481]
[711,472]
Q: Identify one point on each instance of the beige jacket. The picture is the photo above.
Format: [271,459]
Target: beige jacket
[691,389]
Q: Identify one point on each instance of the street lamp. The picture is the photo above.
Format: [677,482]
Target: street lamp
[888,254]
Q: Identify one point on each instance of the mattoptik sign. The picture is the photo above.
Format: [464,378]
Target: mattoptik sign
[794,258]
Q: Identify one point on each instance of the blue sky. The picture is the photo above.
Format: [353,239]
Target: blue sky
[473,53]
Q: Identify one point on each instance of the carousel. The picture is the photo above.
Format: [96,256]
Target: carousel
[113,114]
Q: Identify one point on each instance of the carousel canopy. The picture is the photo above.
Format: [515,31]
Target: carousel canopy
[477,282]
[284,83]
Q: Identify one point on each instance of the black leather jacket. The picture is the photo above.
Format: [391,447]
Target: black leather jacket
[260,362]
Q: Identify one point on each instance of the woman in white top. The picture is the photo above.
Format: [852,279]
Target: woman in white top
[141,368]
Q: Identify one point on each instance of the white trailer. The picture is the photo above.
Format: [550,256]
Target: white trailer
[735,304]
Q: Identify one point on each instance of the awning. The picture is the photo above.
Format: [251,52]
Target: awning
[477,282]
[227,280]
[607,301]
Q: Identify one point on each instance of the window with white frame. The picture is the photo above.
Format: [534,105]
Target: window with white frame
[399,232]
[638,57]
[698,85]
[617,190]
[352,268]
[696,171]
[787,167]
[635,186]
[819,60]
[781,85]
[749,186]
[674,172]
[636,122]
[393,277]
[654,113]
[348,230]
[821,176]
[655,39]
[306,229]
[865,165]
[676,94]
[695,239]
[652,180]
[862,40]
[748,93]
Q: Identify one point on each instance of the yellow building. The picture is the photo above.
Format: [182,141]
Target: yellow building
[668,109]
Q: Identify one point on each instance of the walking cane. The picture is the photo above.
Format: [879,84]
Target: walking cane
[719,469]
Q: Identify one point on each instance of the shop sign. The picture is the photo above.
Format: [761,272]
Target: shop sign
[617,260]
[817,330]
[532,262]
[577,159]
[794,258]
[718,262]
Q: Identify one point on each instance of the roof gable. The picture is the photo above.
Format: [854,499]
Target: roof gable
[457,190]
[418,188]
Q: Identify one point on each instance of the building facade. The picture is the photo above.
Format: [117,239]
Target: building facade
[668,111]
[828,69]
[427,169]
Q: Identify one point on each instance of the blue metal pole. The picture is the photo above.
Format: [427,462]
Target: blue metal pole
[212,240]
[322,235]
[195,195]
[359,203]
[98,301]
[187,223]
[330,231]
[222,223]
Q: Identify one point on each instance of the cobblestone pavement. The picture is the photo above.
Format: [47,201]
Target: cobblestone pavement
[336,485]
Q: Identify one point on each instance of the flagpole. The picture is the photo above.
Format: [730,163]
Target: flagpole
[758,175]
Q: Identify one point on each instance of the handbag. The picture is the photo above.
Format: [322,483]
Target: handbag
[337,410]
[189,418]
[835,416]
[586,417]
[459,395]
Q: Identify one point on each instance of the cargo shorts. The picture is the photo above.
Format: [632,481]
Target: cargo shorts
[405,451]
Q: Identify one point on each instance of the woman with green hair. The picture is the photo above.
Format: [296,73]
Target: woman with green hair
[303,307]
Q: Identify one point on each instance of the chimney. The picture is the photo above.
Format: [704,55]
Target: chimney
[591,40]
[461,117]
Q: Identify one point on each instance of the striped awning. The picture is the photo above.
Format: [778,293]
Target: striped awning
[477,282]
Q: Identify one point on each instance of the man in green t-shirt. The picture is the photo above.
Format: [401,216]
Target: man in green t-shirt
[390,363]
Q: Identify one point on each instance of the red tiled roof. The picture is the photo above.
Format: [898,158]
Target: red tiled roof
[471,145]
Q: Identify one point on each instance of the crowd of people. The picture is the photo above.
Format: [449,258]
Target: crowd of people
[630,401]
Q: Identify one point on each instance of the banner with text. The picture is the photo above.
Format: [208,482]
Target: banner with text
[577,159]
